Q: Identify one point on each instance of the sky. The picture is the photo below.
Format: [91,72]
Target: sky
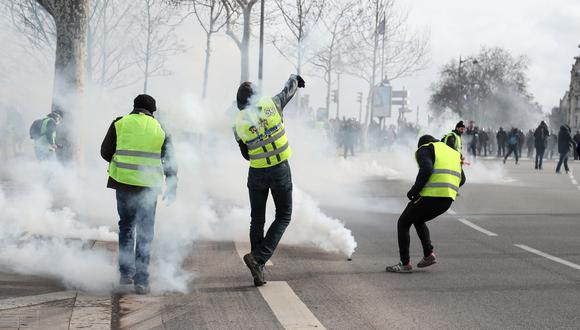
[547,32]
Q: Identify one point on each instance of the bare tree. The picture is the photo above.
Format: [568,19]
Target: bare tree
[385,46]
[157,19]
[300,16]
[339,25]
[236,10]
[109,29]
[212,17]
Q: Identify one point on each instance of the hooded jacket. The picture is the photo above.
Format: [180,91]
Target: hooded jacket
[564,140]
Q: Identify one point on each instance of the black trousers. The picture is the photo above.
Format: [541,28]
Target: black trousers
[563,160]
[262,181]
[417,213]
[512,148]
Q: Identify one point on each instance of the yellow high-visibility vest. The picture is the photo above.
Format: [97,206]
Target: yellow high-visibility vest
[137,160]
[446,176]
[261,128]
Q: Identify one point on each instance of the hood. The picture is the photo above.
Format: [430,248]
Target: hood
[426,139]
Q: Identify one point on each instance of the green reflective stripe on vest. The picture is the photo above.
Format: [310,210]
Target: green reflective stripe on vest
[261,128]
[259,144]
[457,174]
[138,153]
[446,176]
[137,160]
[270,153]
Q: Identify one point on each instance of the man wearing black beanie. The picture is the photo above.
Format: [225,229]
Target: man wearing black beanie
[141,159]
[453,138]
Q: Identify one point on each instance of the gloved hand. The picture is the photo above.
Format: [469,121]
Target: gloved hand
[301,83]
[411,195]
[170,190]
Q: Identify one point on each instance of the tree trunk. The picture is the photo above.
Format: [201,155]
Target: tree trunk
[245,46]
[206,69]
[148,48]
[71,21]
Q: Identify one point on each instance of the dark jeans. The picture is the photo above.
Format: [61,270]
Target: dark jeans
[539,157]
[137,222]
[563,159]
[417,213]
[278,180]
[512,148]
[348,147]
[500,149]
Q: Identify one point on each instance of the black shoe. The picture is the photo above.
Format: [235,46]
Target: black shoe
[126,280]
[256,269]
[141,288]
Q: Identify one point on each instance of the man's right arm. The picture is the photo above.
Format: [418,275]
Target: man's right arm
[281,99]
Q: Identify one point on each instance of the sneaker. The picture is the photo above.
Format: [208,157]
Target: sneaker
[141,288]
[427,261]
[126,280]
[400,268]
[256,269]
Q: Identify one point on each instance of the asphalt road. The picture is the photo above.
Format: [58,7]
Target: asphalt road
[515,266]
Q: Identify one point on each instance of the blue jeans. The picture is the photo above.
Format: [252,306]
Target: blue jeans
[137,221]
[539,157]
[278,180]
[564,160]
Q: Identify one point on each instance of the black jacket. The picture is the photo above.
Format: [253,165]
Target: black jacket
[426,159]
[564,140]
[541,136]
[109,147]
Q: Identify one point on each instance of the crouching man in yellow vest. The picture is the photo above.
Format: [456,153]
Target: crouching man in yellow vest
[436,186]
[141,158]
[259,131]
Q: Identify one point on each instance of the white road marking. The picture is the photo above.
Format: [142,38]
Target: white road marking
[288,308]
[548,256]
[574,182]
[91,312]
[476,227]
[578,187]
[19,302]
[450,211]
[243,248]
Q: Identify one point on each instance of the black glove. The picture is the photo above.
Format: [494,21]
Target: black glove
[301,83]
[411,195]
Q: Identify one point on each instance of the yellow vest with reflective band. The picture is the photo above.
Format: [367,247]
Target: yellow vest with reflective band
[458,146]
[137,160]
[446,176]
[261,128]
[42,141]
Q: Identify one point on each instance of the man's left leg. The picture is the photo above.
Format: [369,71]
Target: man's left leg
[433,207]
[281,187]
[145,225]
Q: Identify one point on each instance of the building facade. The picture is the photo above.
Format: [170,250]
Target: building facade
[571,100]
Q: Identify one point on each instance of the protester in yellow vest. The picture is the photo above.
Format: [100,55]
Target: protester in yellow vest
[45,144]
[436,186]
[453,138]
[141,160]
[261,135]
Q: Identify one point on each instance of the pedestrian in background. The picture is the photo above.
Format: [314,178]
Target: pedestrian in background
[140,155]
[577,141]
[552,143]
[541,135]
[565,141]
[501,138]
[44,133]
[513,139]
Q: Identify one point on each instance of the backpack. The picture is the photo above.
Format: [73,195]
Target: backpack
[35,129]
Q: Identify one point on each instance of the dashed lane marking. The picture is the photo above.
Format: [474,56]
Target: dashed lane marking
[548,256]
[450,211]
[290,311]
[476,227]
[288,308]
[36,299]
[243,248]
[574,182]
